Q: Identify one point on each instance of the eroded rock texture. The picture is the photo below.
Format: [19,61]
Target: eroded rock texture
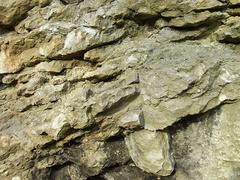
[119,89]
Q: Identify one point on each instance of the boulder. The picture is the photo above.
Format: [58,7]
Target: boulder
[150,151]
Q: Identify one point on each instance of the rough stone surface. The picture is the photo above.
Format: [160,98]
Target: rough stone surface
[128,173]
[151,151]
[230,31]
[119,89]
[204,149]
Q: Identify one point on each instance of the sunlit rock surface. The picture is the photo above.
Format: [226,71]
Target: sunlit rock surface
[119,89]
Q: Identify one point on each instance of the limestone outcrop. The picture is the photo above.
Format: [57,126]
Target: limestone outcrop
[119,89]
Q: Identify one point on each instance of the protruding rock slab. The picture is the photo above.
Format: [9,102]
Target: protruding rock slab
[196,19]
[229,32]
[234,2]
[13,10]
[150,151]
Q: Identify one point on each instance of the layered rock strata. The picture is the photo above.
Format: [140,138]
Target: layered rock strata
[119,89]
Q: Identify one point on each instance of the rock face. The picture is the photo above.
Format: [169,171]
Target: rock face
[119,89]
[204,149]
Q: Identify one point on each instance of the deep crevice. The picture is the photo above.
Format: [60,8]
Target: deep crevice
[56,168]
[213,9]
[118,137]
[96,177]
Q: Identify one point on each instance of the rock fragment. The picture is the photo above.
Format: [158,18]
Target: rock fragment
[229,32]
[132,119]
[150,151]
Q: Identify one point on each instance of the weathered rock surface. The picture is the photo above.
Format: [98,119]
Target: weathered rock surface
[119,89]
[229,32]
[204,148]
[151,151]
[14,10]
[128,173]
